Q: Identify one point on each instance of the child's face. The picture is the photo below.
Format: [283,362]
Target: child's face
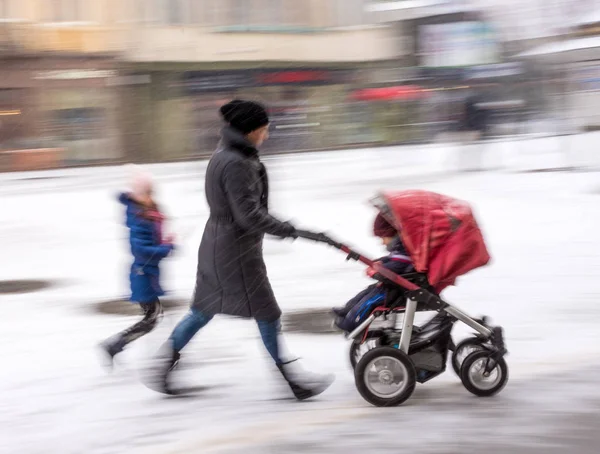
[386,240]
[145,198]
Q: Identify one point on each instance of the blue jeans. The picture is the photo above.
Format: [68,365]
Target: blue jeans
[196,320]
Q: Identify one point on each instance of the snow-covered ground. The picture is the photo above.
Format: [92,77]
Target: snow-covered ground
[542,286]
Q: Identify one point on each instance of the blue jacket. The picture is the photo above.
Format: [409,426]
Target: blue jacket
[147,250]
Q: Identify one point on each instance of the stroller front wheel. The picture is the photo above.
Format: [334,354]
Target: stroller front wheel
[385,377]
[482,375]
[464,349]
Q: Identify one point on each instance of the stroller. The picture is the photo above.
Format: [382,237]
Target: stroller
[444,241]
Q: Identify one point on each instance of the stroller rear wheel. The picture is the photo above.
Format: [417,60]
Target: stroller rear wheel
[482,375]
[464,349]
[385,377]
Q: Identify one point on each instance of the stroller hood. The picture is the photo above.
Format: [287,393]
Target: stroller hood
[439,232]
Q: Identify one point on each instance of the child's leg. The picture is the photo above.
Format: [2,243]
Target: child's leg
[362,308]
[187,328]
[152,314]
[343,311]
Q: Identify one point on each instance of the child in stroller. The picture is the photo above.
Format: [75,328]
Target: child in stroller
[348,317]
[443,242]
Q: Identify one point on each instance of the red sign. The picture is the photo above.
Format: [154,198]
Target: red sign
[403,92]
[293,77]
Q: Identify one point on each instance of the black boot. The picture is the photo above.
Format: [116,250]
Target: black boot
[159,375]
[304,384]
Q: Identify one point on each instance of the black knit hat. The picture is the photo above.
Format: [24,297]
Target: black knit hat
[245,116]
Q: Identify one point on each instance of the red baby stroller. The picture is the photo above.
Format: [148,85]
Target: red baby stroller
[444,241]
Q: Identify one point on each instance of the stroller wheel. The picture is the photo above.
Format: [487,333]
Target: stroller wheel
[357,350]
[385,377]
[483,376]
[464,349]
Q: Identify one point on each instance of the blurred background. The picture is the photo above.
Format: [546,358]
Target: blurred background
[384,95]
[108,81]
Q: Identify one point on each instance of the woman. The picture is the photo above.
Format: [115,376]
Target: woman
[232,277]
[149,248]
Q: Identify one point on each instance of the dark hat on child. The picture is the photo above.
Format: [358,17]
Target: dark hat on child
[245,116]
[382,228]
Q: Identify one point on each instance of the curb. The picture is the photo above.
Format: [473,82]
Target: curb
[310,321]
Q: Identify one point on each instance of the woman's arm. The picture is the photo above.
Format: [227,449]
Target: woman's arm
[239,181]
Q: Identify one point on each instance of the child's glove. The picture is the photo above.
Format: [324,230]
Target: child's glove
[169,241]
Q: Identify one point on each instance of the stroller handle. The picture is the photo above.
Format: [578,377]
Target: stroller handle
[383,272]
[318,237]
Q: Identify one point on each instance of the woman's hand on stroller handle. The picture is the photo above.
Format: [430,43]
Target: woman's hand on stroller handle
[380,273]
[314,236]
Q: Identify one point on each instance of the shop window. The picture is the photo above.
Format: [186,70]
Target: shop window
[13,127]
[172,12]
[348,12]
[265,15]
[84,123]
[295,12]
[205,122]
[274,12]
[202,11]
[175,10]
[148,11]
[239,12]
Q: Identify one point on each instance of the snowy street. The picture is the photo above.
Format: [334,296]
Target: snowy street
[542,286]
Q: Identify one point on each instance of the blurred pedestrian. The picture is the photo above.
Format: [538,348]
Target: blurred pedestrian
[148,246]
[231,274]
[475,125]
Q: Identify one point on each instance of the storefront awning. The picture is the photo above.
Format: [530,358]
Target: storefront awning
[571,50]
[402,92]
[589,18]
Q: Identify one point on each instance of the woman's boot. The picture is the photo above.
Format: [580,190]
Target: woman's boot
[158,377]
[304,384]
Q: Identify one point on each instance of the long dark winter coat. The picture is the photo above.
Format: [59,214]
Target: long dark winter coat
[232,276]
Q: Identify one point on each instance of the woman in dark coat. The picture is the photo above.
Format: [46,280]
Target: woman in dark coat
[232,276]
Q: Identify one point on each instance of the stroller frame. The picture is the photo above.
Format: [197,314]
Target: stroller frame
[489,339]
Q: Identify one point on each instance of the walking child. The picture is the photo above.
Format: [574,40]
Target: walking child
[149,247]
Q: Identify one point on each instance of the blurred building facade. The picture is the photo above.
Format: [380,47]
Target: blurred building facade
[572,59]
[55,60]
[141,80]
[108,81]
[304,58]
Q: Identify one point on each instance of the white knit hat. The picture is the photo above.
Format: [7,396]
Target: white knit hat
[140,181]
